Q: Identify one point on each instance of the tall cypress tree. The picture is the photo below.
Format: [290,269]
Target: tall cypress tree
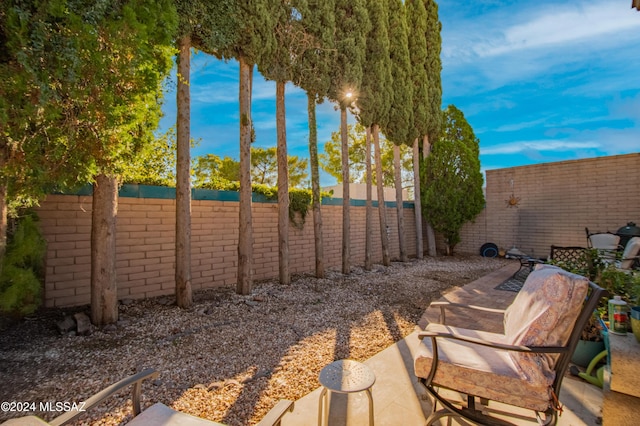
[434,69]
[352,26]
[434,113]
[254,39]
[312,73]
[206,26]
[374,103]
[398,128]
[291,43]
[417,22]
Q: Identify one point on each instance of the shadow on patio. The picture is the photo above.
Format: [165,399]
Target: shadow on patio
[400,400]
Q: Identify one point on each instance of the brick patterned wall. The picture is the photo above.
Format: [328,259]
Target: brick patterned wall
[557,201]
[146,243]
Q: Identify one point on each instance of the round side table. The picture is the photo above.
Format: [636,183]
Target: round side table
[344,376]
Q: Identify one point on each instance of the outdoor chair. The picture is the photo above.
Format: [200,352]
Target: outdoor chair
[606,243]
[630,256]
[157,414]
[524,366]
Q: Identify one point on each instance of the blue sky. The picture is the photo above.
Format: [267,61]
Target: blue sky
[539,81]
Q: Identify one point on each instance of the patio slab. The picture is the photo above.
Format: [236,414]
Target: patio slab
[400,400]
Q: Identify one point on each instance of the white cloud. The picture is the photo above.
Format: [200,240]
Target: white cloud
[539,145]
[562,25]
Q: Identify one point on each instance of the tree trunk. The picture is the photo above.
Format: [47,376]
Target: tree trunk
[283,187]
[417,202]
[315,185]
[346,222]
[245,233]
[384,236]
[104,292]
[184,296]
[431,236]
[399,207]
[368,263]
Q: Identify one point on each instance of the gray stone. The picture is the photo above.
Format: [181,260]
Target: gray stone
[251,303]
[83,324]
[66,325]
[126,302]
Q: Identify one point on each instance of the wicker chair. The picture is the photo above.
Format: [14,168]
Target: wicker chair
[523,367]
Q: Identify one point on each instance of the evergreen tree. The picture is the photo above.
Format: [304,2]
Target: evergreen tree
[331,159]
[453,181]
[417,22]
[93,73]
[434,68]
[352,26]
[313,75]
[374,102]
[279,66]
[399,126]
[254,39]
[207,26]
[211,171]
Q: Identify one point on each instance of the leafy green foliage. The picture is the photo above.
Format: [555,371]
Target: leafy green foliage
[350,42]
[213,172]
[23,269]
[211,24]
[248,30]
[417,22]
[452,181]
[313,65]
[331,159]
[434,68]
[299,198]
[155,163]
[617,282]
[374,99]
[80,87]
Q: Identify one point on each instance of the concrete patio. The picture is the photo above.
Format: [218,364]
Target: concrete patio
[400,400]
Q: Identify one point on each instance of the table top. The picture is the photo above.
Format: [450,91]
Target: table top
[347,376]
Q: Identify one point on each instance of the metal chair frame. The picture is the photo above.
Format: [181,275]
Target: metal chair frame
[470,412]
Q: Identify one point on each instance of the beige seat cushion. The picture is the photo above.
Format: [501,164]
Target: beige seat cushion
[160,414]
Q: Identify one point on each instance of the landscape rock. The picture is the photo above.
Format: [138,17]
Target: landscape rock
[66,325]
[83,324]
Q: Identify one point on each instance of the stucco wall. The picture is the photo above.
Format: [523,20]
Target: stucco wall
[146,242]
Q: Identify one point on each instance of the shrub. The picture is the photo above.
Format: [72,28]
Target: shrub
[23,269]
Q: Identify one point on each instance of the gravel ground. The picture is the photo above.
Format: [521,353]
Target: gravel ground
[228,358]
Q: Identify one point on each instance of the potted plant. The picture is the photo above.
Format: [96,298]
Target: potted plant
[635,305]
[591,340]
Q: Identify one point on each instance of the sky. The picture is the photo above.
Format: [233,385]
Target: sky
[538,82]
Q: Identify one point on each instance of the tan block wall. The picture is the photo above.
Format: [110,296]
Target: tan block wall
[145,244]
[557,201]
